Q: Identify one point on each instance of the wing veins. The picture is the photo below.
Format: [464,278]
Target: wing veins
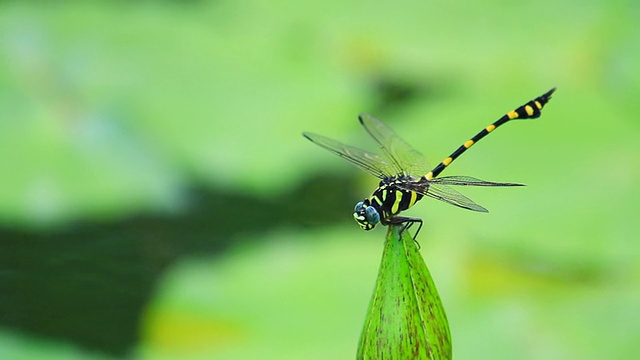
[443,193]
[468,181]
[405,159]
[365,160]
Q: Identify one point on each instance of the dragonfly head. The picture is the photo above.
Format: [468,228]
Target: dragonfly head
[366,216]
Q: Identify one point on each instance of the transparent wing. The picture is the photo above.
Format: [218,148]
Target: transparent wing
[370,162]
[442,193]
[468,181]
[405,159]
[447,194]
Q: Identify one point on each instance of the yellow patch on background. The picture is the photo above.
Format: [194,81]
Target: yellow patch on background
[429,176]
[197,333]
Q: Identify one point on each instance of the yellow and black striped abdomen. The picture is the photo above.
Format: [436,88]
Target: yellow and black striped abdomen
[530,110]
[390,200]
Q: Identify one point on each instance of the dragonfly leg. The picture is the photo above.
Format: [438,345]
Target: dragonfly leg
[407,222]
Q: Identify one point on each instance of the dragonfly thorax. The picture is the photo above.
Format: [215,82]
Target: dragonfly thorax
[388,200]
[391,197]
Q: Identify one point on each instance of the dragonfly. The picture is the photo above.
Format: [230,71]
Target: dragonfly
[405,176]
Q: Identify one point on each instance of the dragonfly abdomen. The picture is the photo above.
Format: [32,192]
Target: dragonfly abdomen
[530,110]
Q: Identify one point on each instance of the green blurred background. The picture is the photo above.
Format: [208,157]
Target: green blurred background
[158,202]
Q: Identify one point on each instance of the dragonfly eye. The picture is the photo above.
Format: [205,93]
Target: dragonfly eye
[366,216]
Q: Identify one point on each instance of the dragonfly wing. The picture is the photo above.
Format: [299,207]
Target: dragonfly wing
[442,193]
[405,159]
[370,162]
[451,196]
[468,181]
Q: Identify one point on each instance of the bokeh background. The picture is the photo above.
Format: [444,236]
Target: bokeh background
[157,200]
